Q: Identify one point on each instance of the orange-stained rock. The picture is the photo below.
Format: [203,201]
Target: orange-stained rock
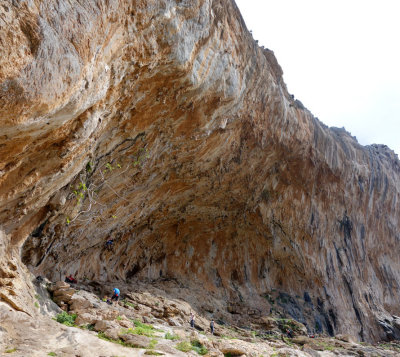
[163,126]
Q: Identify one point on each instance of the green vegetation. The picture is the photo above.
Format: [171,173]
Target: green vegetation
[198,347]
[80,191]
[140,156]
[184,346]
[152,343]
[66,319]
[11,350]
[169,336]
[195,345]
[325,346]
[89,327]
[89,167]
[119,318]
[140,329]
[127,303]
[393,346]
[52,354]
[270,299]
[102,336]
[36,304]
[37,297]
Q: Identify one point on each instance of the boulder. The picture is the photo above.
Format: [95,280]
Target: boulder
[175,321]
[396,321]
[85,318]
[346,338]
[102,325]
[108,314]
[230,348]
[137,341]
[267,323]
[112,333]
[92,298]
[61,285]
[170,350]
[301,340]
[298,328]
[170,311]
[125,323]
[79,303]
[64,295]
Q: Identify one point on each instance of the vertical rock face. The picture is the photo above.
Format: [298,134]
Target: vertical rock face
[163,126]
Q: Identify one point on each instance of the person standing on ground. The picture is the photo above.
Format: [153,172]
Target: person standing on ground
[212,327]
[191,320]
[116,295]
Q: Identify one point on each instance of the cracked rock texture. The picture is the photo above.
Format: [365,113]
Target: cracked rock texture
[162,125]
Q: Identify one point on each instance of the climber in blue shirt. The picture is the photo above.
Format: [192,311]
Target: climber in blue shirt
[116,295]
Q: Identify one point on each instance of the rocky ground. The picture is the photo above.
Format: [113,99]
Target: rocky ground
[76,321]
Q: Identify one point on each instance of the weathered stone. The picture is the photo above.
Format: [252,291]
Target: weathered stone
[85,318]
[79,303]
[135,340]
[181,142]
[102,325]
[346,338]
[232,348]
[112,333]
[267,323]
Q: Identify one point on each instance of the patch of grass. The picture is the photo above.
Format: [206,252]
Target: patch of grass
[152,343]
[227,337]
[89,327]
[142,325]
[287,341]
[184,346]
[198,347]
[66,319]
[52,354]
[37,297]
[195,345]
[390,346]
[169,336]
[102,336]
[128,303]
[11,350]
[140,329]
[119,318]
[36,304]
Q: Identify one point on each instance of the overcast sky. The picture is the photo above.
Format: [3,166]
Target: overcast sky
[340,58]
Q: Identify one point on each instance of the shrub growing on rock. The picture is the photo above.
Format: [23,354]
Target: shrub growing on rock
[66,319]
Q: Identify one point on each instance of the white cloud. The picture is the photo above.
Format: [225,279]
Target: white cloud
[340,58]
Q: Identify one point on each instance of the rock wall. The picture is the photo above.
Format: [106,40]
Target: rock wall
[163,126]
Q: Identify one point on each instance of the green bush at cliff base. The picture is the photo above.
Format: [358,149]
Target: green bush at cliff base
[66,319]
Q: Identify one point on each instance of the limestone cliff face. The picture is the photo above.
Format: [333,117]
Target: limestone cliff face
[162,125]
